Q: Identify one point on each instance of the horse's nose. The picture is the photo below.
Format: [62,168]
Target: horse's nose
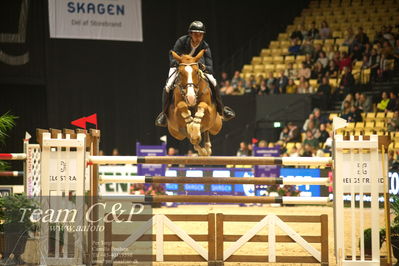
[191,99]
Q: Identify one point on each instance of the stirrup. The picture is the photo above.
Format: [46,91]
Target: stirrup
[161,120]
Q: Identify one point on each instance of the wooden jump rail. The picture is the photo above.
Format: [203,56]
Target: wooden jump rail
[13,156]
[216,199]
[12,173]
[216,237]
[212,160]
[215,180]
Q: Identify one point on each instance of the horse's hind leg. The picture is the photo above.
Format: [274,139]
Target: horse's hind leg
[207,143]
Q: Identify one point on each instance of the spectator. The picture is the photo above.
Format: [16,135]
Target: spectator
[355,115]
[316,53]
[250,148]
[307,121]
[310,140]
[297,34]
[263,88]
[348,98]
[374,63]
[332,70]
[365,62]
[389,36]
[318,118]
[337,58]
[271,83]
[307,47]
[223,78]
[227,89]
[291,87]
[294,152]
[365,103]
[356,54]
[250,87]
[315,130]
[318,71]
[290,72]
[313,32]
[115,152]
[274,88]
[393,102]
[346,110]
[282,82]
[237,77]
[382,105]
[304,72]
[239,89]
[304,86]
[294,135]
[328,143]
[329,50]
[284,134]
[259,80]
[323,133]
[307,150]
[325,31]
[304,31]
[323,59]
[262,144]
[172,151]
[295,47]
[367,49]
[361,37]
[345,61]
[308,60]
[347,81]
[356,100]
[325,88]
[349,37]
[387,50]
[243,150]
[393,123]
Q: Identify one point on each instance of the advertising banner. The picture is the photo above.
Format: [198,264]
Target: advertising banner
[118,20]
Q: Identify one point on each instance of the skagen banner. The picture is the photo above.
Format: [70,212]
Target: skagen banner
[118,20]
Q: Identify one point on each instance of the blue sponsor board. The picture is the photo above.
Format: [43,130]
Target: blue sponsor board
[151,150]
[267,170]
[306,190]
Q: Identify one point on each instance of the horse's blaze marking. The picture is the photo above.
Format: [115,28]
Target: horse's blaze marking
[190,88]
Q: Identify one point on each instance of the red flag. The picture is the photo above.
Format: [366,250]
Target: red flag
[92,119]
[254,141]
[81,122]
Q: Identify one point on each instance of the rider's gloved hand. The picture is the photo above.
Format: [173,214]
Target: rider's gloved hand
[202,67]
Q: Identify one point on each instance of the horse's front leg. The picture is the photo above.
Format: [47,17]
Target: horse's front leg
[199,115]
[182,107]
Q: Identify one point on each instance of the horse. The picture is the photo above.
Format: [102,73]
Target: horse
[192,114]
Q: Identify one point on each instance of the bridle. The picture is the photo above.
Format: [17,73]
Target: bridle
[182,88]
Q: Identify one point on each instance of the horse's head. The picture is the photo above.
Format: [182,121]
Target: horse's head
[189,76]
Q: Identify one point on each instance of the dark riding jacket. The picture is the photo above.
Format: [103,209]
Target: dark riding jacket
[183,46]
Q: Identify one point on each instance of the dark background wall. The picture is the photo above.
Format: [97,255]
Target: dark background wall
[122,81]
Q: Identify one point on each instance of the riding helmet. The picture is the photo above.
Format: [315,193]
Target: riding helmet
[196,26]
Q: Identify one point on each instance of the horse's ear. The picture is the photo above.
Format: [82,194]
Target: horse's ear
[176,56]
[199,55]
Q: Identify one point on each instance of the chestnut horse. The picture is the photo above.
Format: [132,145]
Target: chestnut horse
[192,113]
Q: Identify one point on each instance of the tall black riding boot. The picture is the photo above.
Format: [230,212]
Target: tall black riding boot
[226,112]
[162,120]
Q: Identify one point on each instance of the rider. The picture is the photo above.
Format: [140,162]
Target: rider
[191,44]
